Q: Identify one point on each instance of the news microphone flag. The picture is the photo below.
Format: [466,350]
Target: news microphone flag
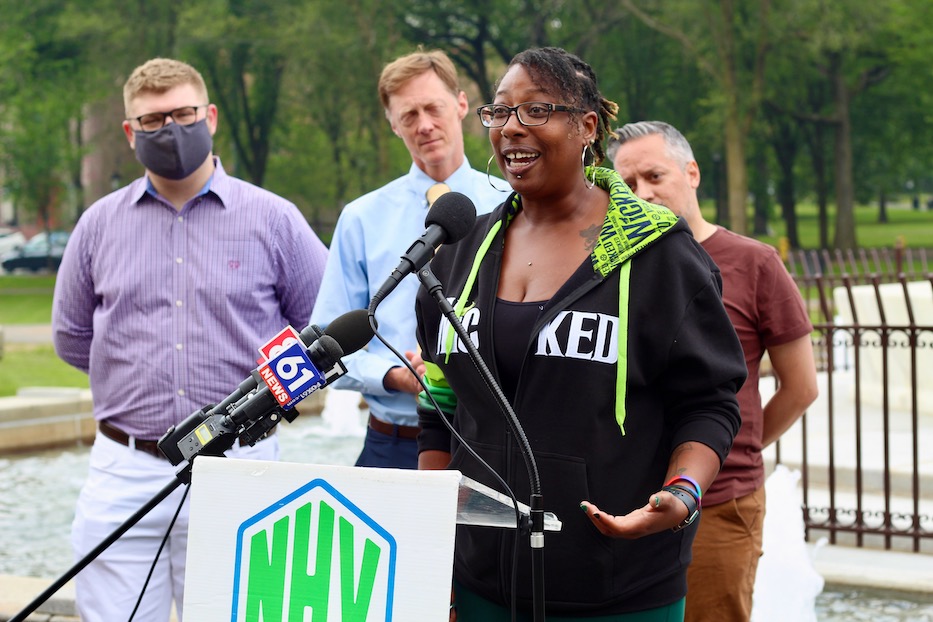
[290,375]
[286,337]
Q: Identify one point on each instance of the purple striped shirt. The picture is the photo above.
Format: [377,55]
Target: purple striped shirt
[165,309]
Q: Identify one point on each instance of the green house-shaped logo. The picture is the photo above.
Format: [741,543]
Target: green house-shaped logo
[313,551]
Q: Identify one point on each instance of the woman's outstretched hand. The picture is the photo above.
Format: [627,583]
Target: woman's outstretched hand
[662,512]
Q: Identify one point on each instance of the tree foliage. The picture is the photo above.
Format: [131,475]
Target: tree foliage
[792,99]
[730,41]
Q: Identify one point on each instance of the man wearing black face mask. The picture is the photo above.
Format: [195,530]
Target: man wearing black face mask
[166,289]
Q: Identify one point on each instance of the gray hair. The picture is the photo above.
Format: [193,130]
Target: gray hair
[677,146]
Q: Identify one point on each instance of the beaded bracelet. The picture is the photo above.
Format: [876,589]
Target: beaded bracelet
[687,478]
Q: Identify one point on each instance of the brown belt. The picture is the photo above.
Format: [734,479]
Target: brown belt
[150,447]
[119,436]
[390,429]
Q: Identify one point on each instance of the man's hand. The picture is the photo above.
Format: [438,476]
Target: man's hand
[400,378]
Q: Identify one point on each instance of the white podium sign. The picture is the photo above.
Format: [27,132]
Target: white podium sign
[279,542]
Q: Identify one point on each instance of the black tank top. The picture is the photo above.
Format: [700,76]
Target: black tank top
[512,324]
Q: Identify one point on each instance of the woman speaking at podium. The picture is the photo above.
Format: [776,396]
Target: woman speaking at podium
[602,321]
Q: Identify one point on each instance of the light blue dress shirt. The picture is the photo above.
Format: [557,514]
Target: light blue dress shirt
[372,234]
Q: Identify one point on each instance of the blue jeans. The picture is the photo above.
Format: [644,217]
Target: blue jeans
[383,450]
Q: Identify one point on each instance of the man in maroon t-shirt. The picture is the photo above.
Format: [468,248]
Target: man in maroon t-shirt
[768,313]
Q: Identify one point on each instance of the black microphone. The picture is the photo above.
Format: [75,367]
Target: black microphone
[348,330]
[346,334]
[323,353]
[449,220]
[308,336]
[351,330]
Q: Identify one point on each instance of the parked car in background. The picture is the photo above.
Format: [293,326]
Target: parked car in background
[41,251]
[10,240]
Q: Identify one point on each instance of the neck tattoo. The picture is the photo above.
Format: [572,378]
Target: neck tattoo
[590,237]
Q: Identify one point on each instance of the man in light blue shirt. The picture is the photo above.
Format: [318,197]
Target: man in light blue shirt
[425,106]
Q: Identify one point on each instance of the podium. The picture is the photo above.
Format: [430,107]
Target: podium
[266,539]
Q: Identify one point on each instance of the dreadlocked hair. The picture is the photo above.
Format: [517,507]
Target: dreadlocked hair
[568,77]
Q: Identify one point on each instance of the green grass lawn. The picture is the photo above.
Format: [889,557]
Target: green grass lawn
[36,366]
[27,299]
[26,308]
[913,228]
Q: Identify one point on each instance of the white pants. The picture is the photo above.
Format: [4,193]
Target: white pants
[120,481]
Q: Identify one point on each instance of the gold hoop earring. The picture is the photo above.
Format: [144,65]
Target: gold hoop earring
[589,183]
[488,178]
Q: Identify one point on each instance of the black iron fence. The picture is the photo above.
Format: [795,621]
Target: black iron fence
[865,448]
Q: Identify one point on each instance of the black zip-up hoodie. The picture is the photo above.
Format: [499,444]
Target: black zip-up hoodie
[684,366]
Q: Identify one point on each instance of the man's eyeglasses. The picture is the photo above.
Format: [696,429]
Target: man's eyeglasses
[186,115]
[529,114]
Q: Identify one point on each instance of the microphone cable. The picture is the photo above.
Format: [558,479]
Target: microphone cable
[401,357]
[155,561]
[536,504]
[373,323]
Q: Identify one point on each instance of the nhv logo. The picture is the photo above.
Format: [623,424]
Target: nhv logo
[315,556]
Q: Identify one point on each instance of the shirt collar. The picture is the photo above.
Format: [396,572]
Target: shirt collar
[420,181]
[218,183]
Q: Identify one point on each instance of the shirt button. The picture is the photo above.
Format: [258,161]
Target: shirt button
[178,303]
[178,260]
[181,219]
[181,392]
[178,346]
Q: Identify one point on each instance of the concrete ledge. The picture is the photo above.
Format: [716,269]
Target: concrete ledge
[32,402]
[39,418]
[875,569]
[17,592]
[45,417]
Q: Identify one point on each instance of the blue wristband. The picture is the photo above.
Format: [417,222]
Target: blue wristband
[689,479]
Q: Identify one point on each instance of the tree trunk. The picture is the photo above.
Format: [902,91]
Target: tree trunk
[109,162]
[882,206]
[820,185]
[845,194]
[789,211]
[736,176]
[720,192]
[762,200]
[74,165]
[785,144]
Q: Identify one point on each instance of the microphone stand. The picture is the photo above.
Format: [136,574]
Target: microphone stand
[212,430]
[536,502]
[216,447]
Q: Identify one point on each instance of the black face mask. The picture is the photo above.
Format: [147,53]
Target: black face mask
[174,151]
